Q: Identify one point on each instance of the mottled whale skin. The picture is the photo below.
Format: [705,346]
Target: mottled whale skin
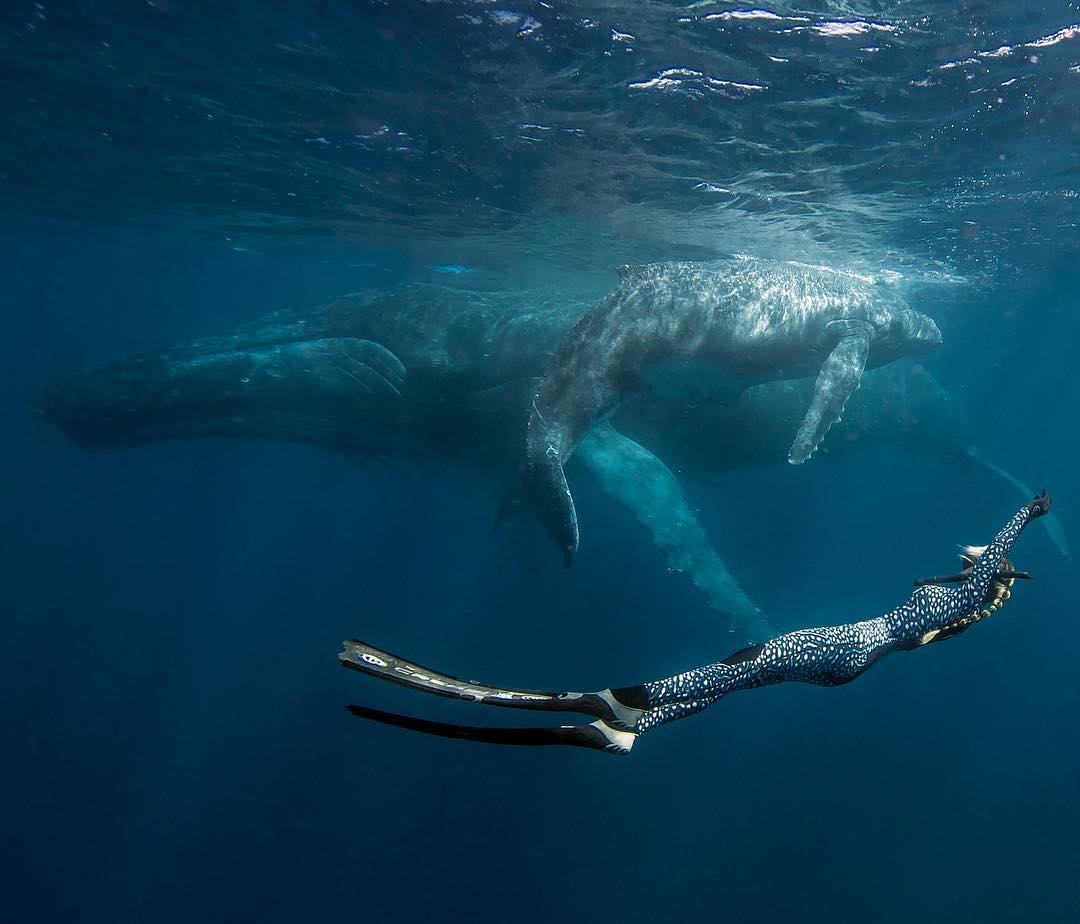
[746,320]
[421,371]
[899,405]
[424,374]
[472,364]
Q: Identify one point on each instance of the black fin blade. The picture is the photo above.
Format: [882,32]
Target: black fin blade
[585,736]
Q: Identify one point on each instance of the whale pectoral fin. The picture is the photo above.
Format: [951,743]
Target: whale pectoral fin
[542,488]
[641,483]
[348,363]
[836,382]
[554,505]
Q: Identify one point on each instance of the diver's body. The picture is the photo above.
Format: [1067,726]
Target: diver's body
[826,656]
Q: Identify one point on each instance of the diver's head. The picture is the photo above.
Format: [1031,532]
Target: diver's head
[1000,589]
[996,596]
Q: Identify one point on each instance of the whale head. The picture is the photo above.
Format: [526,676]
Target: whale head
[103,407]
[336,391]
[901,331]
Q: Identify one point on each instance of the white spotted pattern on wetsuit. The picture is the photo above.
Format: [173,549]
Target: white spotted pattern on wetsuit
[834,654]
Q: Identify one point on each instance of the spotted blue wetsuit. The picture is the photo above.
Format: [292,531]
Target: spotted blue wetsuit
[827,656]
[831,655]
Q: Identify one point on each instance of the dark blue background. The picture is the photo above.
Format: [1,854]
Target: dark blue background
[175,745]
[176,741]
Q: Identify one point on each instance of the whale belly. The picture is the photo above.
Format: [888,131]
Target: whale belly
[688,378]
[701,377]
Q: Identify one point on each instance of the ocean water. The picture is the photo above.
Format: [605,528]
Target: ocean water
[175,740]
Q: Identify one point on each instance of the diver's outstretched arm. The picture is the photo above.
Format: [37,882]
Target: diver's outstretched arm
[825,656]
[976,586]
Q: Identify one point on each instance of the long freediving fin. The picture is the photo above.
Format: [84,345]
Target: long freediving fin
[597,735]
[618,708]
[836,382]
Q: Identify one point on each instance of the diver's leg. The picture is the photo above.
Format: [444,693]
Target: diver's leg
[826,656]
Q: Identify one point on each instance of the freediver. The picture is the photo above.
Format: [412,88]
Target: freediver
[827,656]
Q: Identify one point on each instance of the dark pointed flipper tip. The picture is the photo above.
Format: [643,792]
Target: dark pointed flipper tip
[554,507]
[543,490]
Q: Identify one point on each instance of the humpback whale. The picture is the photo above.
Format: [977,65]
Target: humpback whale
[418,374]
[741,321]
[432,374]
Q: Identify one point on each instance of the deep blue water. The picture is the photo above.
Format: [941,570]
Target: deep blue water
[176,743]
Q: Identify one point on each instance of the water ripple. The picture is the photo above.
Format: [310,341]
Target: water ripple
[854,131]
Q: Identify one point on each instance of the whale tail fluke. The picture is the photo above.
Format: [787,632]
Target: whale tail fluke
[542,488]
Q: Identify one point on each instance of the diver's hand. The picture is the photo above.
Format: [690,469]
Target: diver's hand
[1040,506]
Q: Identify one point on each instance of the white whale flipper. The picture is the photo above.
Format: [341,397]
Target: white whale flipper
[640,482]
[836,382]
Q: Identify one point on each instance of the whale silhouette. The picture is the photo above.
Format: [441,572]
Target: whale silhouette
[432,375]
[723,325]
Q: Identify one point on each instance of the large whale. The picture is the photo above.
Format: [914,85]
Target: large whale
[416,374]
[439,375]
[722,325]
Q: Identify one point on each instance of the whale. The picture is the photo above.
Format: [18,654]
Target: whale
[716,327]
[402,378]
[900,406]
[423,375]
